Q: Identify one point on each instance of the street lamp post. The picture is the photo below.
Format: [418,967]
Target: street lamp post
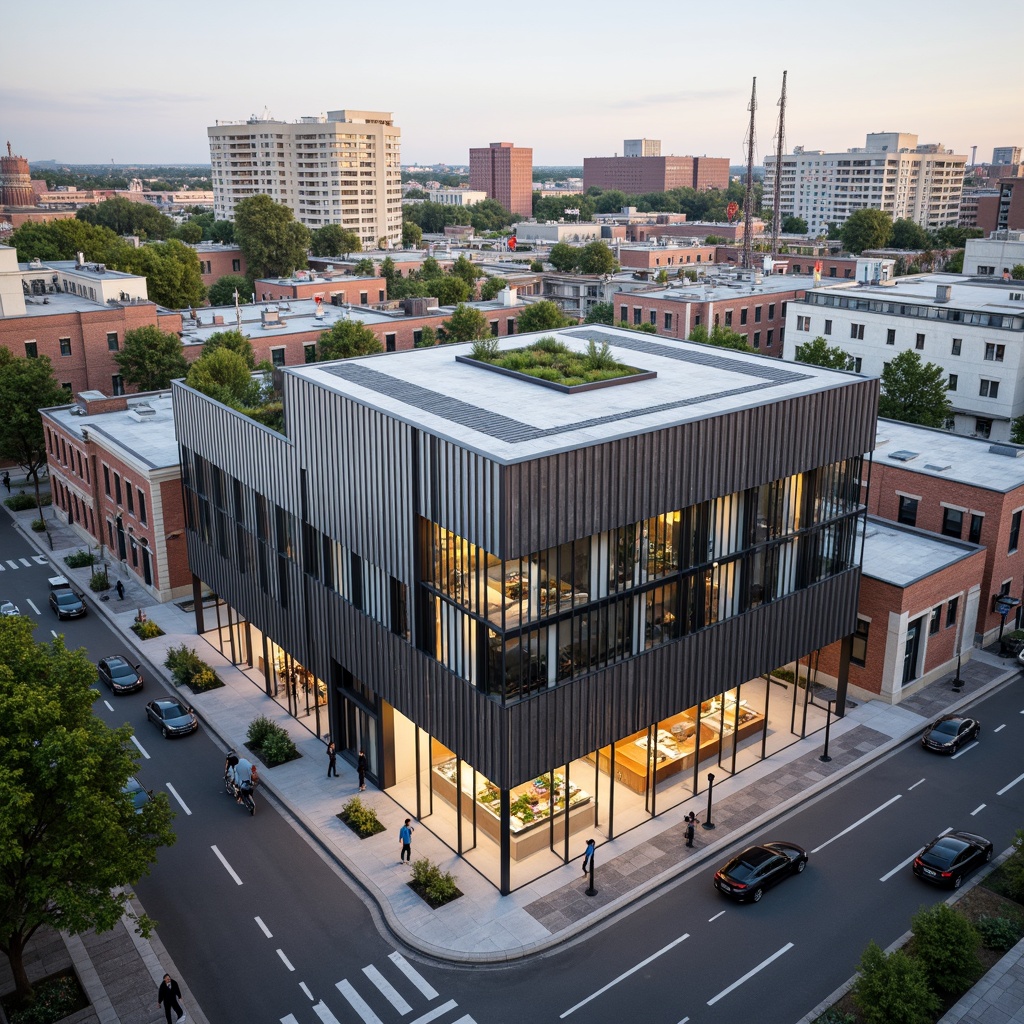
[828,722]
[711,785]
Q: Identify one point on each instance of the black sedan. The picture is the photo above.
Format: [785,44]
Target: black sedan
[119,674]
[172,717]
[139,794]
[946,859]
[66,603]
[747,876]
[949,734]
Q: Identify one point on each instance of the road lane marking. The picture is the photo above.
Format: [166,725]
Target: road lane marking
[910,860]
[110,706]
[998,728]
[1012,784]
[290,1019]
[915,785]
[53,633]
[746,977]
[321,1011]
[39,560]
[13,564]
[25,562]
[436,1012]
[174,793]
[356,1001]
[413,975]
[285,960]
[716,917]
[142,749]
[622,977]
[266,931]
[857,824]
[227,867]
[980,807]
[390,993]
[31,605]
[970,746]
[304,987]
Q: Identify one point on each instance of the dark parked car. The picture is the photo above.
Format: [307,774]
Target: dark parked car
[173,718]
[120,675]
[946,859]
[139,794]
[63,600]
[747,876]
[949,734]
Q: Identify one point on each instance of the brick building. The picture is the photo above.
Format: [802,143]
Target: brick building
[732,232]
[636,175]
[505,173]
[665,256]
[217,261]
[115,477]
[1002,210]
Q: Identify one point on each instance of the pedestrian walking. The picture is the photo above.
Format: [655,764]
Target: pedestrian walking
[588,856]
[405,838]
[120,590]
[361,765]
[332,760]
[167,996]
[7,481]
[690,828]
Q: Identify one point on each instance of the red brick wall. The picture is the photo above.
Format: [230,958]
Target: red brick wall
[349,288]
[220,263]
[667,257]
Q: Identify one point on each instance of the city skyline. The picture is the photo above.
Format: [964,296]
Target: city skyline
[567,96]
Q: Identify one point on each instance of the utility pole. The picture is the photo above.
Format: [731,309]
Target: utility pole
[748,199]
[780,135]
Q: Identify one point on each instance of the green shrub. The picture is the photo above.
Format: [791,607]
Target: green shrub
[23,502]
[436,886]
[1011,872]
[893,989]
[946,946]
[486,349]
[146,630]
[205,679]
[1000,933]
[835,1016]
[278,748]
[99,580]
[184,663]
[38,525]
[53,999]
[79,560]
[260,729]
[361,818]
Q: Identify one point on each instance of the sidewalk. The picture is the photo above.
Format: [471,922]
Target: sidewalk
[482,926]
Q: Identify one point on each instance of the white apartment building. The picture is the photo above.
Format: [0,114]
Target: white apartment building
[995,256]
[456,196]
[340,168]
[892,172]
[973,329]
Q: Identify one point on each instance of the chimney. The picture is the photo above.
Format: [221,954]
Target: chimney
[943,292]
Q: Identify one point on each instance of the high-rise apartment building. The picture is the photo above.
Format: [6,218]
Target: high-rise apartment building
[641,147]
[643,172]
[1005,156]
[505,173]
[922,183]
[340,168]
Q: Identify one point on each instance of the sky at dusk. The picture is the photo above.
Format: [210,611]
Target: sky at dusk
[571,79]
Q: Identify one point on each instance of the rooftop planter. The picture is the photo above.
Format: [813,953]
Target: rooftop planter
[553,365]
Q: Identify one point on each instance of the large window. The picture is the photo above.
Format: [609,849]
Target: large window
[907,511]
[1014,531]
[953,522]
[859,648]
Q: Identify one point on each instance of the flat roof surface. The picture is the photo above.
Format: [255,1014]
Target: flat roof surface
[941,453]
[711,288]
[511,420]
[151,442]
[901,555]
[966,293]
[59,303]
[86,270]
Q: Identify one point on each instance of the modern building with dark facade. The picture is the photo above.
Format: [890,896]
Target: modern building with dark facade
[538,612]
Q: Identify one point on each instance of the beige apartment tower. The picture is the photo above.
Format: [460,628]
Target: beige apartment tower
[340,168]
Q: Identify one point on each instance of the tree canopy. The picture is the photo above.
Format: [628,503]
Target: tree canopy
[62,239]
[412,235]
[150,358]
[563,257]
[224,374]
[274,243]
[601,313]
[908,234]
[794,226]
[914,391]
[554,207]
[491,287]
[466,324]
[541,316]
[334,240]
[347,338]
[71,841]
[125,217]
[596,258]
[820,353]
[721,336]
[866,229]
[173,276]
[234,340]
[222,291]
[464,268]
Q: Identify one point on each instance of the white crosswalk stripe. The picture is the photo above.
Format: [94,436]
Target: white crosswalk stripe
[436,1012]
[356,1001]
[410,972]
[390,993]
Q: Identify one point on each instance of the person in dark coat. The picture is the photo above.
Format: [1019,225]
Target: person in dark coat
[7,481]
[689,830]
[120,590]
[361,765]
[167,996]
[332,760]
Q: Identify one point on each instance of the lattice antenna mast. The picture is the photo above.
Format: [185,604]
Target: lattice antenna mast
[748,198]
[780,147]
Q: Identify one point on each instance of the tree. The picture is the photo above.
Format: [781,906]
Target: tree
[412,235]
[907,234]
[223,231]
[125,217]
[234,340]
[866,229]
[893,989]
[464,269]
[723,337]
[490,215]
[536,267]
[365,268]
[491,287]
[173,276]
[541,316]
[955,263]
[794,226]
[334,240]
[71,841]
[151,358]
[601,313]
[946,944]
[26,386]
[1017,430]
[346,339]
[449,291]
[62,239]
[224,375]
[820,353]
[1017,273]
[466,324]
[914,391]
[222,291]
[563,257]
[597,258]
[428,337]
[189,233]
[274,244]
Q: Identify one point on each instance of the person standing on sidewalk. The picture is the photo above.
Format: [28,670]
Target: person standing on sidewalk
[690,828]
[332,760]
[405,838]
[168,995]
[7,481]
[361,765]
[120,590]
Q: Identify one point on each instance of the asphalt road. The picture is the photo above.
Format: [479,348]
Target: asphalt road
[265,928]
